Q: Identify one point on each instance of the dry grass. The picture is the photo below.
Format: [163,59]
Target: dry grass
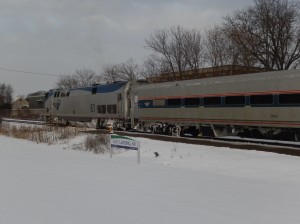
[55,135]
[39,134]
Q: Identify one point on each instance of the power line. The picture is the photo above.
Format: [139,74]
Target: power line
[27,72]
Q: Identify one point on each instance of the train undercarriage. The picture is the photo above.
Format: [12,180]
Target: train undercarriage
[192,130]
[211,130]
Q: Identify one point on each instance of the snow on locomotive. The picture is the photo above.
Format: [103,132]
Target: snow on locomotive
[260,105]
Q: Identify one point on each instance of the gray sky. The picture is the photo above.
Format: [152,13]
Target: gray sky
[59,36]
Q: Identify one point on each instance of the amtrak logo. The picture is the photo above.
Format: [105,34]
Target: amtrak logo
[56,104]
[147,104]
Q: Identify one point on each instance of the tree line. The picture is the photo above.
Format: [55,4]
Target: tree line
[265,34]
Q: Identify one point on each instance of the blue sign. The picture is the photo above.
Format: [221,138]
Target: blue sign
[119,141]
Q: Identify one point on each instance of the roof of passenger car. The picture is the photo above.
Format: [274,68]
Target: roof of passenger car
[263,76]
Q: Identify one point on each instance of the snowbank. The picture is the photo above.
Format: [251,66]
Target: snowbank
[184,184]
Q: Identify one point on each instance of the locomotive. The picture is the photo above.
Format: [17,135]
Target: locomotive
[102,102]
[254,105]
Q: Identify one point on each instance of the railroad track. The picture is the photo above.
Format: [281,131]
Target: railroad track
[281,147]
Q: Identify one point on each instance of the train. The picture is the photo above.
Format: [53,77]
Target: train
[260,105]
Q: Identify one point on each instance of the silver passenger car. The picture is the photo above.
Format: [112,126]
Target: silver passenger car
[266,102]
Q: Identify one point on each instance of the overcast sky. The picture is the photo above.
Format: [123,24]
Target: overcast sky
[59,36]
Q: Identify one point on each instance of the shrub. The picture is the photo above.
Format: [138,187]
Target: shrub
[96,143]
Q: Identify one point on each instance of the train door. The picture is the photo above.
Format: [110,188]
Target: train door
[119,104]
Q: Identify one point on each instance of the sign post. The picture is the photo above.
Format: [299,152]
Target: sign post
[119,141]
[110,148]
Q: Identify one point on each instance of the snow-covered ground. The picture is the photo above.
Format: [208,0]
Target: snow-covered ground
[41,184]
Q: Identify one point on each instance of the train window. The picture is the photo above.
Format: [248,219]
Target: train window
[101,109]
[212,101]
[109,109]
[191,101]
[112,109]
[68,94]
[174,102]
[261,99]
[158,103]
[62,94]
[289,99]
[235,100]
[56,94]
[94,90]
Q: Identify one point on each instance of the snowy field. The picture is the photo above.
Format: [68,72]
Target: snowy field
[51,184]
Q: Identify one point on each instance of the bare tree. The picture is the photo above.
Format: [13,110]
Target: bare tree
[125,71]
[154,66]
[159,43]
[81,77]
[220,50]
[129,70]
[86,77]
[110,73]
[67,82]
[269,31]
[179,49]
[193,49]
[6,92]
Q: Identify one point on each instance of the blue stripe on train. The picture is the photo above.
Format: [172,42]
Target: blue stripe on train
[103,88]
